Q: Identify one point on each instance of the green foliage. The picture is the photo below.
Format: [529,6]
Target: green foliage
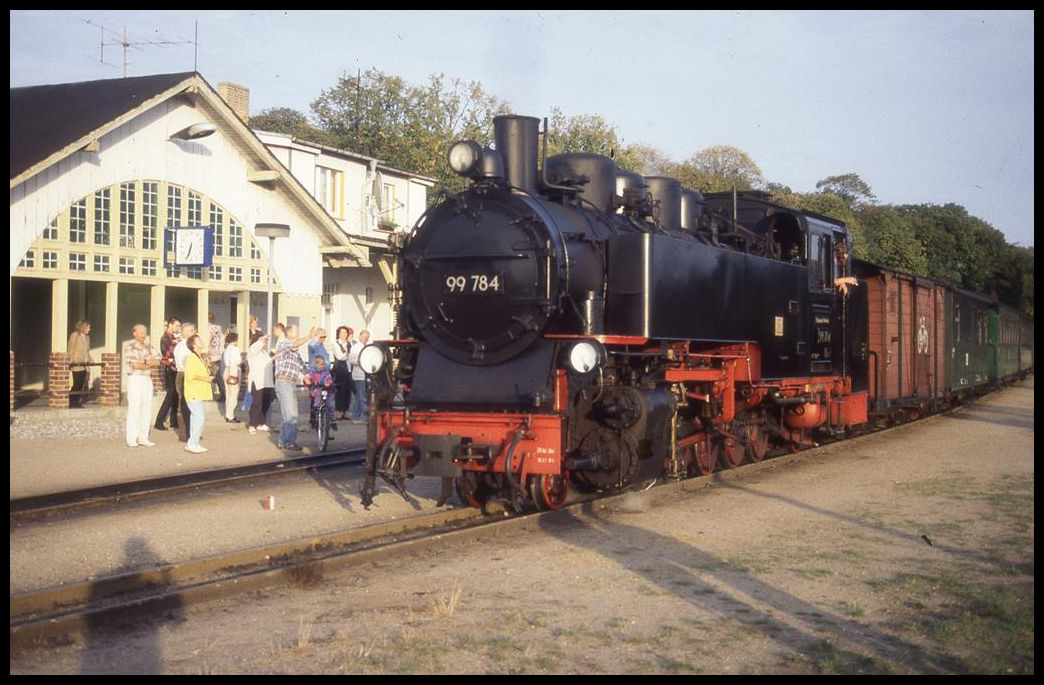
[647,160]
[961,249]
[288,121]
[407,126]
[850,187]
[719,168]
[944,243]
[891,240]
[590,134]
[1019,285]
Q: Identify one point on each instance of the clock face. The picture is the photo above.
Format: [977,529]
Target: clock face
[188,246]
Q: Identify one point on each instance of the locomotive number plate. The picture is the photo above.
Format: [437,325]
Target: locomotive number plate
[458,284]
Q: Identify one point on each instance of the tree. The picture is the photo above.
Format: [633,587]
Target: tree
[1021,271]
[407,126]
[590,134]
[719,168]
[288,121]
[891,240]
[581,133]
[648,161]
[850,187]
[962,249]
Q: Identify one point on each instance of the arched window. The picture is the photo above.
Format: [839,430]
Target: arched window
[120,232]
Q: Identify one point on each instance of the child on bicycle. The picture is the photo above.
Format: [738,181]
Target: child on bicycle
[318,379]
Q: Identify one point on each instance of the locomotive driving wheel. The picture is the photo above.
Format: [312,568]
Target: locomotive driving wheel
[706,451]
[548,491]
[757,442]
[732,453]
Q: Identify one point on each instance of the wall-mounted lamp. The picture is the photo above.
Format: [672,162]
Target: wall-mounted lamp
[195,131]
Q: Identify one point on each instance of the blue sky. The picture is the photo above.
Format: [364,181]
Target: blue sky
[926,106]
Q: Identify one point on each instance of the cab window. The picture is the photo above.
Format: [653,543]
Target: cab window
[820,262]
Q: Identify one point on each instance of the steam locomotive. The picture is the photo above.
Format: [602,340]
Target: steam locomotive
[575,324]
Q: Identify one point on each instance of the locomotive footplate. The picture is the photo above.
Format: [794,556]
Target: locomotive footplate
[445,443]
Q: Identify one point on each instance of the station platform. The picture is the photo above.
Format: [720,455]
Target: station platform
[55,450]
[59,450]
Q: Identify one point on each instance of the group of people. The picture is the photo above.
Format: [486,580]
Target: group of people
[342,371]
[191,369]
[186,368]
[278,374]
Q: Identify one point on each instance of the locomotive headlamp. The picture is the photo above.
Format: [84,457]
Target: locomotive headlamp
[585,355]
[373,359]
[464,157]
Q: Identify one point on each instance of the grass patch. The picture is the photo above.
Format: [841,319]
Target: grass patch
[984,627]
[752,564]
[994,627]
[829,659]
[447,601]
[951,487]
[851,609]
[671,665]
[1017,507]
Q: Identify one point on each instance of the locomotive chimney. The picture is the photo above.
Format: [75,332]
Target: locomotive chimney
[517,140]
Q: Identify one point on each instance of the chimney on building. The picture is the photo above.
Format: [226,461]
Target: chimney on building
[237,97]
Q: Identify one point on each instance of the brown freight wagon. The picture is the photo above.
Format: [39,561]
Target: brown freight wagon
[906,331]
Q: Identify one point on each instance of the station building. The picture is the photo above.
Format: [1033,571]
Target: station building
[102,170]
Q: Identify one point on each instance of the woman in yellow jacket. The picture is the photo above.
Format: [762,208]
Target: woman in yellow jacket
[197,391]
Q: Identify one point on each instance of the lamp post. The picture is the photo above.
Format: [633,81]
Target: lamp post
[271,231]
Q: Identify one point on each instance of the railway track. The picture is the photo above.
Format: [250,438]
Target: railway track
[72,501]
[51,613]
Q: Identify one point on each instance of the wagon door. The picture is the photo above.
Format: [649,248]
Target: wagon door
[922,349]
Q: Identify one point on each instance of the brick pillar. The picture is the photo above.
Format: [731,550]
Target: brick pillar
[12,381]
[110,380]
[58,381]
[157,378]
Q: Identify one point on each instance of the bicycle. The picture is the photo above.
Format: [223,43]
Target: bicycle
[322,420]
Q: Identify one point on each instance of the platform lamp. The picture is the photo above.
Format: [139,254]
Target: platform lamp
[271,231]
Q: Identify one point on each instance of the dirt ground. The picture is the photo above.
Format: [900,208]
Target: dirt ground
[905,552]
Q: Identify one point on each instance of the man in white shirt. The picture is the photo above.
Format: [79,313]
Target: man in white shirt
[138,360]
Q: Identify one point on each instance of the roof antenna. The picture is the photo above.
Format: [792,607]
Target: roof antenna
[124,43]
